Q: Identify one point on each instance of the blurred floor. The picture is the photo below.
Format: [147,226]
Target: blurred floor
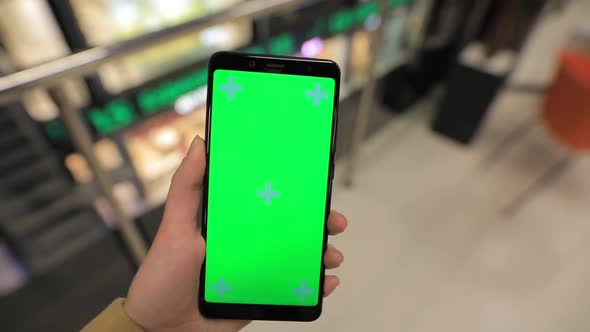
[436,243]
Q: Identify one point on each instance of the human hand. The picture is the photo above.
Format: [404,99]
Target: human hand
[163,294]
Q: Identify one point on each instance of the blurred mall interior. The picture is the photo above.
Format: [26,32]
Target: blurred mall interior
[461,159]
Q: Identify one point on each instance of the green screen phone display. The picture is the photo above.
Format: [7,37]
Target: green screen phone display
[270,141]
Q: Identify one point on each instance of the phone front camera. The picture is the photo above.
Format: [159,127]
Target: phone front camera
[252,64]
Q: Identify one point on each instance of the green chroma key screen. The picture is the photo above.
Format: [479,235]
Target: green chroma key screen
[270,140]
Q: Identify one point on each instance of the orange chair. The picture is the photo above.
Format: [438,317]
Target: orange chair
[566,110]
[566,115]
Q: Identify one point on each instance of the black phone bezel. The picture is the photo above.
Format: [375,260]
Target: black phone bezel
[281,65]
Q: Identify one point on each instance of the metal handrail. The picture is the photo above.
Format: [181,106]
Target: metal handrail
[12,86]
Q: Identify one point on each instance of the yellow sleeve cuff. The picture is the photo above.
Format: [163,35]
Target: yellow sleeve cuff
[113,318]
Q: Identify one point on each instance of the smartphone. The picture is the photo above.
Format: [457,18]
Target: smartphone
[270,138]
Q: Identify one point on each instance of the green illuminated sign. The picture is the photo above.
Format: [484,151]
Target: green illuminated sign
[366,10]
[115,115]
[317,29]
[255,49]
[282,45]
[396,3]
[348,18]
[165,94]
[342,21]
[55,130]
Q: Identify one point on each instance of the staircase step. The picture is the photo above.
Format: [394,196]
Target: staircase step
[65,239]
[50,188]
[11,138]
[34,199]
[16,158]
[27,176]
[5,119]
[41,219]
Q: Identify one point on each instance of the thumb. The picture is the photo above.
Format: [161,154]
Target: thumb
[184,195]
